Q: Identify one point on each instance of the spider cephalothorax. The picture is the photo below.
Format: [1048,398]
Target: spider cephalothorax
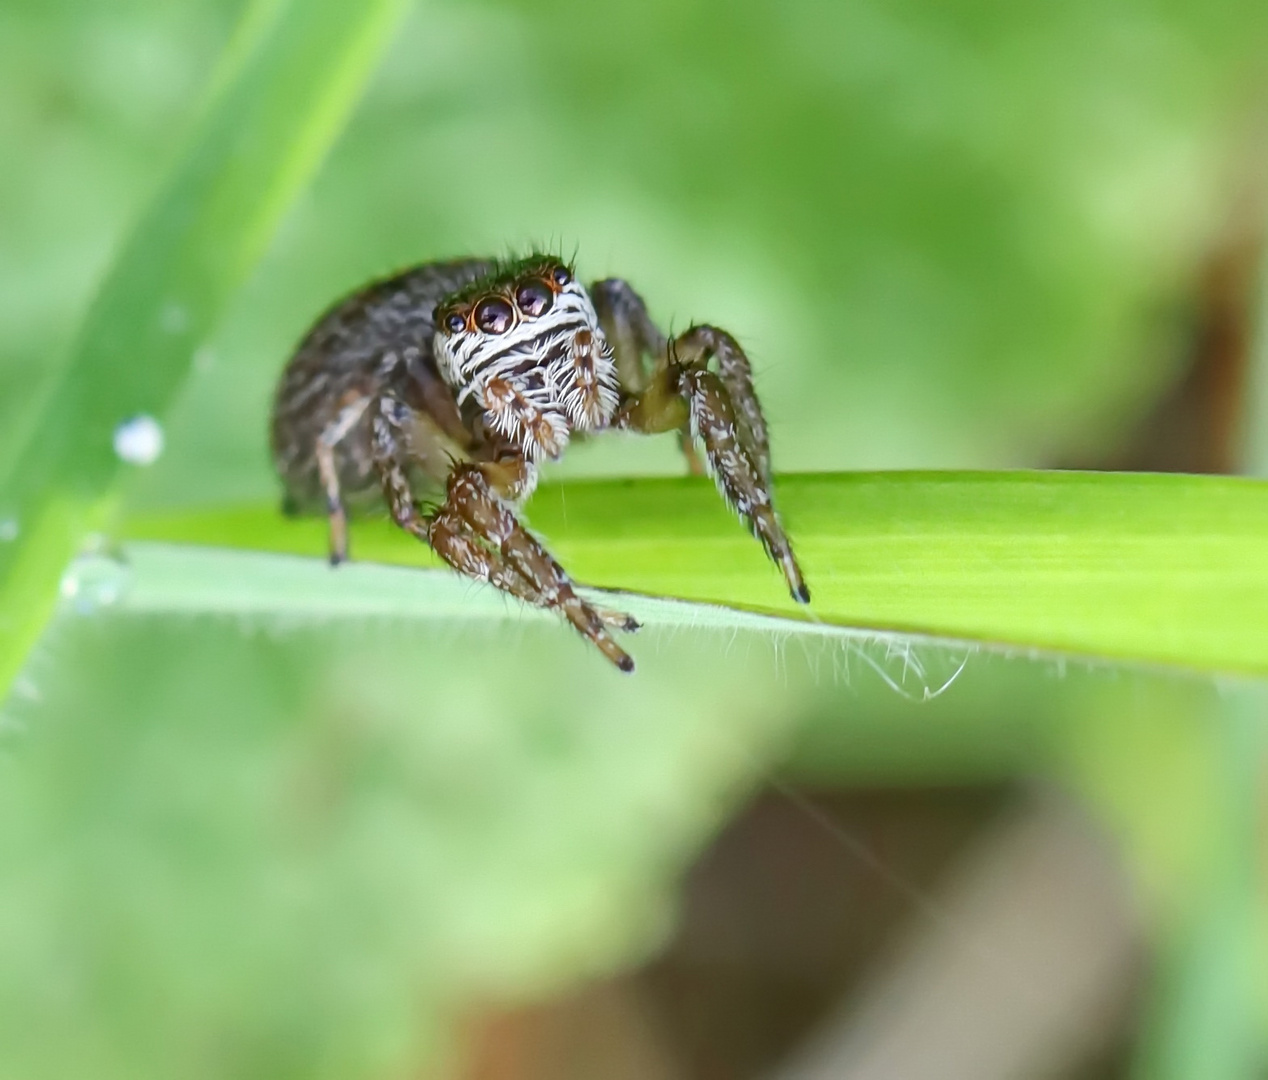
[527,344]
[463,375]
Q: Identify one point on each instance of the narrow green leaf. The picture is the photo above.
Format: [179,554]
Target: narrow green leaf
[290,77]
[1126,567]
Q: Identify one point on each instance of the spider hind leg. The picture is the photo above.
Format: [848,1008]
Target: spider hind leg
[328,472]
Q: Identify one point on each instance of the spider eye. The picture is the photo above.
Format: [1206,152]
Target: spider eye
[494,315]
[560,276]
[534,298]
[454,322]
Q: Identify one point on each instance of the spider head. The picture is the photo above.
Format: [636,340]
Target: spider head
[525,343]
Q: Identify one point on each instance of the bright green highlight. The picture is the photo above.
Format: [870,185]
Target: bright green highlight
[287,84]
[1145,568]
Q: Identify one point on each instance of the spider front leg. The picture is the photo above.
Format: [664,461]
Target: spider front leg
[723,413]
[477,534]
[635,339]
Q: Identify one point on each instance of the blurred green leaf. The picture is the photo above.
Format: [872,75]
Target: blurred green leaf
[287,83]
[951,233]
[302,853]
[1150,568]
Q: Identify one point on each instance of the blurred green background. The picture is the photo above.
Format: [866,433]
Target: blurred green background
[951,234]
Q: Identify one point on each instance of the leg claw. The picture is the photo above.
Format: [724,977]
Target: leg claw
[618,620]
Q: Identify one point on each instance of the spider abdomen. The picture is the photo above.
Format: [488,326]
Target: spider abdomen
[377,340]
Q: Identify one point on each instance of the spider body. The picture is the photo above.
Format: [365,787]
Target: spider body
[456,379]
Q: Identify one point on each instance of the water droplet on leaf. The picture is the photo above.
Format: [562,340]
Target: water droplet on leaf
[93,582]
[139,440]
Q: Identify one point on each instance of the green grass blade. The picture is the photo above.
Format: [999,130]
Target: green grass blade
[289,80]
[1125,567]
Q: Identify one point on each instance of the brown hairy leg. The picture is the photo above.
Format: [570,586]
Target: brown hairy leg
[720,409]
[329,474]
[477,534]
[635,339]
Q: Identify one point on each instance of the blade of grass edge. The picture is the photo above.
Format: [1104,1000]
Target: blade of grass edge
[293,72]
[1147,568]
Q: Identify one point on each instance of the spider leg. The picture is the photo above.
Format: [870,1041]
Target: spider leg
[699,345]
[329,474]
[723,413]
[629,328]
[478,534]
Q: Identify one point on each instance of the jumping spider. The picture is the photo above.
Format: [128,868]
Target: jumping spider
[463,375]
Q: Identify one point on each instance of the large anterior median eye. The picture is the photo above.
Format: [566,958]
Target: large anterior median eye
[534,298]
[494,315]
